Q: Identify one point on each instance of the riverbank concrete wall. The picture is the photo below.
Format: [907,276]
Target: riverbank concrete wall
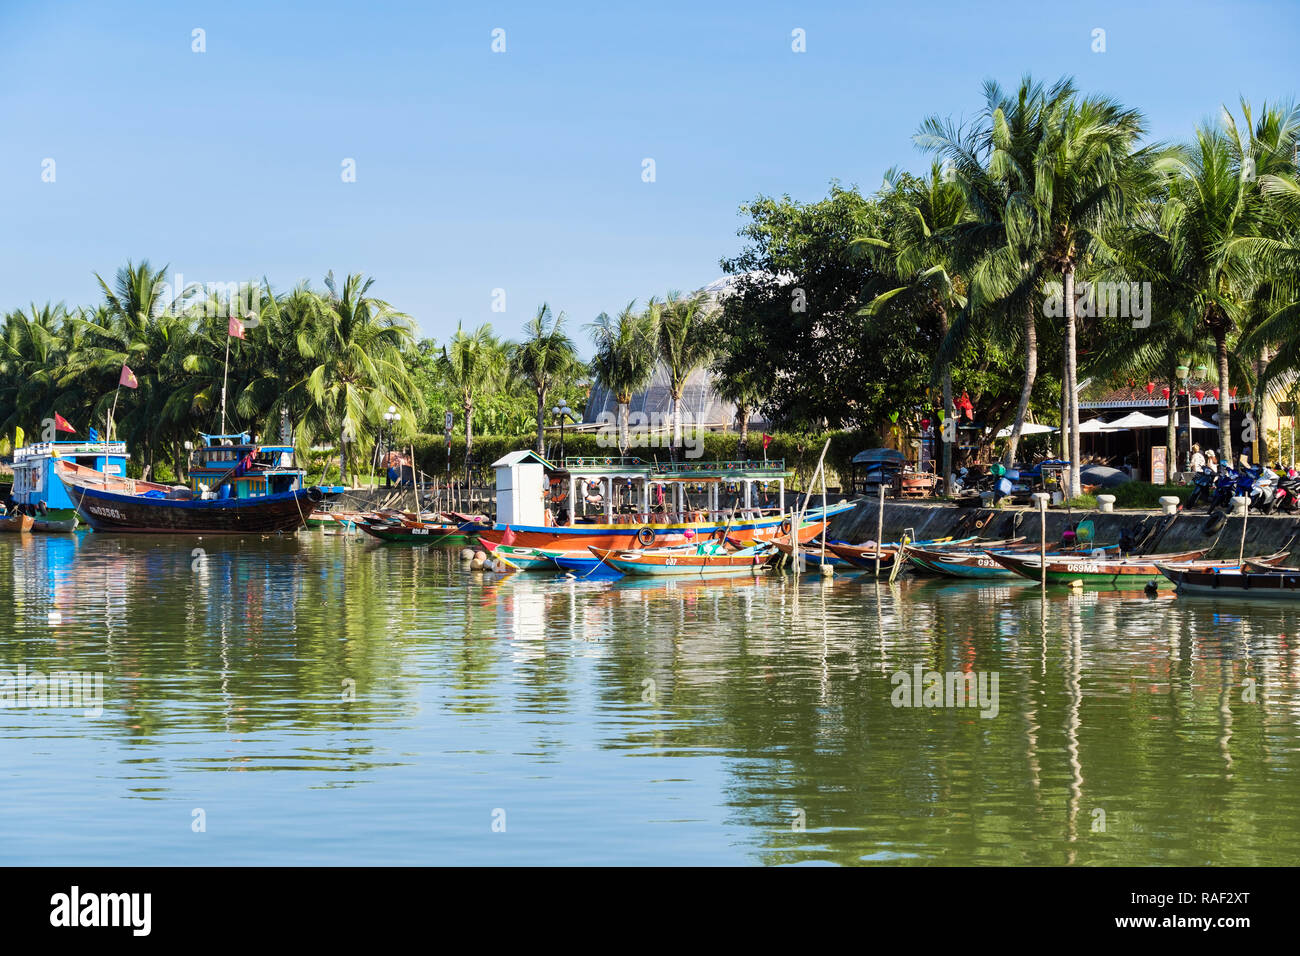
[1156,532]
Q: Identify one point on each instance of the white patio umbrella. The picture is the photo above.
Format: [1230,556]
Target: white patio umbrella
[1095,425]
[1163,420]
[1028,428]
[1137,420]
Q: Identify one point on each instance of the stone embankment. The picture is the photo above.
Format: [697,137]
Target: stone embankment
[1154,531]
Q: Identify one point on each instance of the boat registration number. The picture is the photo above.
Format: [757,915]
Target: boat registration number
[1084,567]
[419,531]
[107,513]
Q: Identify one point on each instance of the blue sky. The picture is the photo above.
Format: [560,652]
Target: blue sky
[522,170]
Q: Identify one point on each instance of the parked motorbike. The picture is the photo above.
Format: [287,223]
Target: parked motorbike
[1202,487]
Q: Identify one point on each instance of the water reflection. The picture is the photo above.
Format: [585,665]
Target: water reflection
[630,721]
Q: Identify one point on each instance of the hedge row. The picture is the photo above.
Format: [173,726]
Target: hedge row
[799,451]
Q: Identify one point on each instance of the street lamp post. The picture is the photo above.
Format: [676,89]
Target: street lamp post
[564,413]
[1184,374]
[391,418]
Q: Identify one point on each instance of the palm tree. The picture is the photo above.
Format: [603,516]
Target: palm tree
[1217,215]
[918,248]
[1273,256]
[545,358]
[132,328]
[625,358]
[1085,175]
[742,390]
[685,342]
[999,249]
[352,346]
[474,364]
[32,352]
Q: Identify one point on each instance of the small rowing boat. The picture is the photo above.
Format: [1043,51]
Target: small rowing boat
[864,555]
[20,524]
[1278,583]
[1098,569]
[421,529]
[54,526]
[707,559]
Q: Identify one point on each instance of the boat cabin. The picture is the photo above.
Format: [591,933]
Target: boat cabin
[532,491]
[233,466]
[36,484]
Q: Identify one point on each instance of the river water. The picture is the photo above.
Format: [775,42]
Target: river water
[325,700]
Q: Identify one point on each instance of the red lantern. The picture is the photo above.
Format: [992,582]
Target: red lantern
[1215,393]
[1182,391]
[1151,387]
[1164,392]
[1200,394]
[925,424]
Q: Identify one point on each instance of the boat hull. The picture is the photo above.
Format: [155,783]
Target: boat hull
[108,511]
[17,524]
[649,564]
[617,537]
[1275,585]
[1126,572]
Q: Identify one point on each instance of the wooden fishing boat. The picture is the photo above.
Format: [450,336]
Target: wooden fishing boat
[1266,565]
[585,565]
[1275,583]
[1090,568]
[662,562]
[524,559]
[864,555]
[973,562]
[811,552]
[259,491]
[20,524]
[407,531]
[52,526]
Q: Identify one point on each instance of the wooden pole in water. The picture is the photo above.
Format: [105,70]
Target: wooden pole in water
[1042,543]
[1245,514]
[797,523]
[880,523]
[827,570]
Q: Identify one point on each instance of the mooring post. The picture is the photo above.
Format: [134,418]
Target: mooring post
[1041,498]
[880,524]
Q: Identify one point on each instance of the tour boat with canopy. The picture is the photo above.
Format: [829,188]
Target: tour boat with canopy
[627,503]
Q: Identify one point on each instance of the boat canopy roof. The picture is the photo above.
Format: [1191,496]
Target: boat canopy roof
[669,471]
[879,456]
[70,449]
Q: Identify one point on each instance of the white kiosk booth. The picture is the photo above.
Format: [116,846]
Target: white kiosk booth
[521,488]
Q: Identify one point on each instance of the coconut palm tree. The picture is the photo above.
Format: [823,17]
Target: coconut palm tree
[1086,175]
[32,352]
[625,358]
[545,358]
[919,248]
[351,343]
[1000,249]
[685,343]
[1216,216]
[1273,256]
[474,364]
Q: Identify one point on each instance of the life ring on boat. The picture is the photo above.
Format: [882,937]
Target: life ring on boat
[1214,522]
[646,536]
[786,525]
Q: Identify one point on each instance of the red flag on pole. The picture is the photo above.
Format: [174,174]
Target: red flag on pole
[236,328]
[61,424]
[508,538]
[767,440]
[128,378]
